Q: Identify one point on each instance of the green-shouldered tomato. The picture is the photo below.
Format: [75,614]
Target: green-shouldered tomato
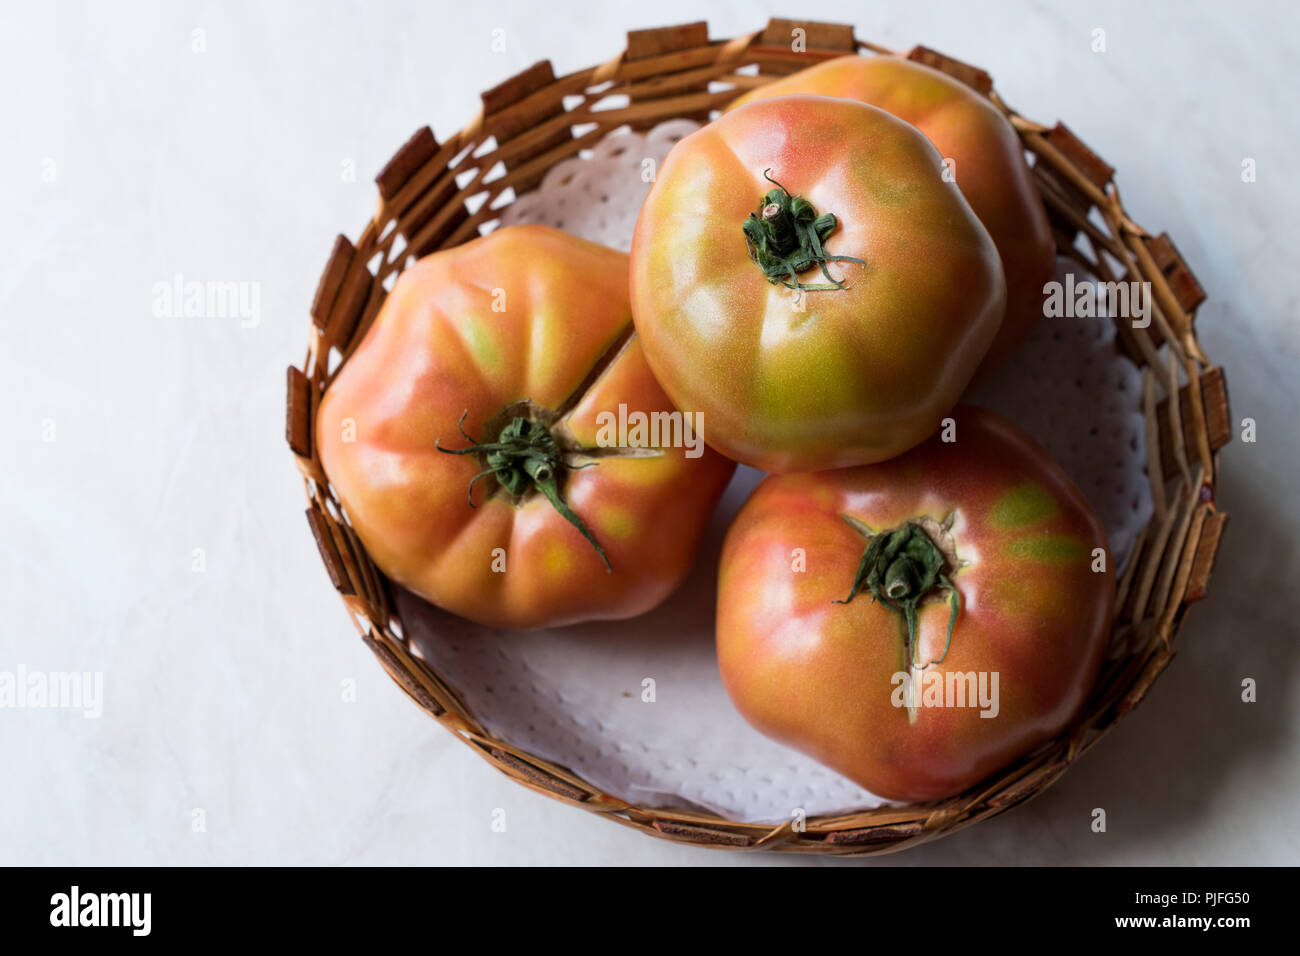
[971,568]
[803,275]
[987,162]
[464,438]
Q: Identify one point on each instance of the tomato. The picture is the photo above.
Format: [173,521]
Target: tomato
[971,565]
[803,277]
[511,358]
[988,162]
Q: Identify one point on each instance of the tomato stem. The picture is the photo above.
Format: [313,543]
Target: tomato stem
[785,237]
[900,568]
[525,456]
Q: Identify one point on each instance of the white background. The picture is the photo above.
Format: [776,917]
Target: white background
[223,688]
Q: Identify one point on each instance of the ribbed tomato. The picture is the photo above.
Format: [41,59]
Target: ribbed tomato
[988,163]
[972,572]
[803,277]
[472,438]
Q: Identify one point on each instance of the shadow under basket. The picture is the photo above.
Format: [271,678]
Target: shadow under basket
[435,195]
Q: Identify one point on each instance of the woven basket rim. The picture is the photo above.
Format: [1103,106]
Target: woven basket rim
[434,195]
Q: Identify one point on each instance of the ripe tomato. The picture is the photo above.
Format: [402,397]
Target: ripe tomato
[803,276]
[523,340]
[951,564]
[988,163]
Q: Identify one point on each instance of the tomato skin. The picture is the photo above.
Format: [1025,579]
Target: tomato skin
[989,159]
[860,374]
[816,675]
[438,348]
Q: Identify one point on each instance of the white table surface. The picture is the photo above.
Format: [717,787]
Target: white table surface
[129,158]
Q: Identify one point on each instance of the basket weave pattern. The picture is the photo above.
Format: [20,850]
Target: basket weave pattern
[436,195]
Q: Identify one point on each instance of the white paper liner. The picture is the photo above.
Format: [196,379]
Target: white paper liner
[579,695]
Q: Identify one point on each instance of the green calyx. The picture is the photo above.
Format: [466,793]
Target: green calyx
[901,568]
[525,457]
[786,236]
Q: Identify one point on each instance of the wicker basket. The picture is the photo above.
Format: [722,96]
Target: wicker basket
[435,195]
